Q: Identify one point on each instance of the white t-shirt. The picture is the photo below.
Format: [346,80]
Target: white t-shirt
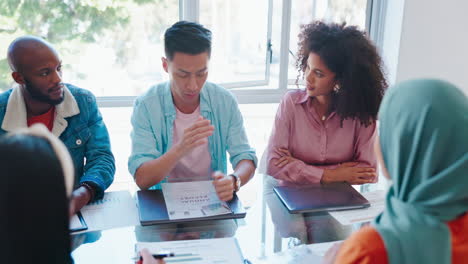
[196,165]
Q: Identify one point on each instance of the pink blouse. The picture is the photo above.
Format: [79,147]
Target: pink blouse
[316,145]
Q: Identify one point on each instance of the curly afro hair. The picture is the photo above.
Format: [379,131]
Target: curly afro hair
[353,58]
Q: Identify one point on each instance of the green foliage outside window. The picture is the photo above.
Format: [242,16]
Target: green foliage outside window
[72,25]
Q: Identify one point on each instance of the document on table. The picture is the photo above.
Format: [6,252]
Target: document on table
[192,199]
[116,209]
[200,251]
[348,217]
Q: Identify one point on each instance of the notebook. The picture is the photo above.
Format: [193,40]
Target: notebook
[320,197]
[152,209]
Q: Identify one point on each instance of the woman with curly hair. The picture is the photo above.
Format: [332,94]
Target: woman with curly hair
[326,132]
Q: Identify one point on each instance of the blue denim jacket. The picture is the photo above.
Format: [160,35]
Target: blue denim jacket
[79,125]
[153,122]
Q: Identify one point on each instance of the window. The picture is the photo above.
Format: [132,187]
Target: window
[240,48]
[353,12]
[114,48]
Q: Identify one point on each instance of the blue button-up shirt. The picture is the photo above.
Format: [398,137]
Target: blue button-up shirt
[153,122]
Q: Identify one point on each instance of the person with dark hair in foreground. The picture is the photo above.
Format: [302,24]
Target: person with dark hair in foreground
[423,149]
[32,159]
[325,133]
[30,165]
[183,128]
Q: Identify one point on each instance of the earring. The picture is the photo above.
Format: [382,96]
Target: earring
[336,88]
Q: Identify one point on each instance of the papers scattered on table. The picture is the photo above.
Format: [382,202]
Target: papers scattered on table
[348,217]
[201,251]
[193,199]
[116,209]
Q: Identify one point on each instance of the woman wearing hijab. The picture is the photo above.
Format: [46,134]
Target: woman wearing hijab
[424,147]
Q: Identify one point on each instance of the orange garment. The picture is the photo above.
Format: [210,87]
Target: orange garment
[367,246]
[47,119]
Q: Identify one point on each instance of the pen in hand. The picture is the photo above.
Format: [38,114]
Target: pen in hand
[161,255]
[147,258]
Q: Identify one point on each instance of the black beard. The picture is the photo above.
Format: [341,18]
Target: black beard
[38,96]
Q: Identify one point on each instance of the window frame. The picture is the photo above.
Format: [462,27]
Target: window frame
[247,92]
[191,12]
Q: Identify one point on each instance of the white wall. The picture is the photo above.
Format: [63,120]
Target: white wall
[433,40]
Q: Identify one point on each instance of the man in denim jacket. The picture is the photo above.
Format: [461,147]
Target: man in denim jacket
[183,128]
[69,112]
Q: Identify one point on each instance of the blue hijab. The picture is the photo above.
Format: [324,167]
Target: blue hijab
[424,141]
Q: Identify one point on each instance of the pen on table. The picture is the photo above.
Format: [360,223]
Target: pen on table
[158,256]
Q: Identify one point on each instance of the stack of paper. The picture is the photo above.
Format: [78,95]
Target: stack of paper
[377,201]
